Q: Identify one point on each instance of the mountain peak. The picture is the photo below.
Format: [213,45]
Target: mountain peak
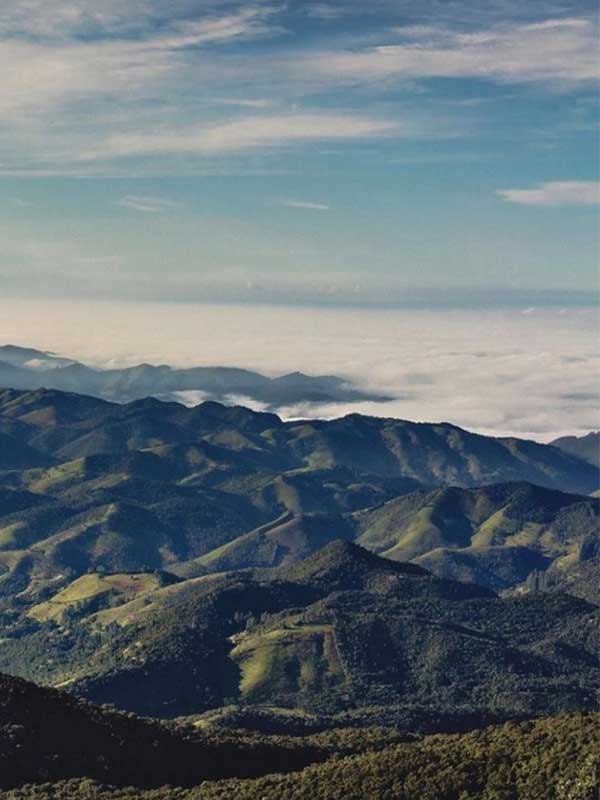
[344,565]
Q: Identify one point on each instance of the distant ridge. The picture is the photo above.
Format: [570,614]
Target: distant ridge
[63,426]
[586,447]
[28,368]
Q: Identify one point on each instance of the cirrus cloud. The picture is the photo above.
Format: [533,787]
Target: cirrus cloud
[146,204]
[553,51]
[556,193]
[243,133]
[304,204]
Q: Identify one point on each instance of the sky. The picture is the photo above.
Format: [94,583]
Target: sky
[439,154]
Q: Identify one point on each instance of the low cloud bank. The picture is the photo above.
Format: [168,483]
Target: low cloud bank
[500,372]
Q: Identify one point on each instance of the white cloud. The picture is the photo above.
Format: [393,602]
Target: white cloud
[556,193]
[146,204]
[499,372]
[562,51]
[61,20]
[241,134]
[38,76]
[242,102]
[304,204]
[84,82]
[251,21]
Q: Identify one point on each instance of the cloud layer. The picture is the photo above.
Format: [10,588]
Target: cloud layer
[497,372]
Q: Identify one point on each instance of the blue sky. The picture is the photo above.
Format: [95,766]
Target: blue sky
[345,153]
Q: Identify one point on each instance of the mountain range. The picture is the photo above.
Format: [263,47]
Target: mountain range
[28,368]
[221,565]
[343,632]
[88,485]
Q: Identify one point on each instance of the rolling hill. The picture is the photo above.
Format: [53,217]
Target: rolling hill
[343,632]
[88,485]
[495,535]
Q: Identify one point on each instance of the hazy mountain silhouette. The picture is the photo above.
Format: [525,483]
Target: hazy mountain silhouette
[27,368]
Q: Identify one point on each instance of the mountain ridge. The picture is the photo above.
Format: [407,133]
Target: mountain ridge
[384,445]
[586,447]
[184,484]
[28,368]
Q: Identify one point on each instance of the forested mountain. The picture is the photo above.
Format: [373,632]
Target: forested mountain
[61,426]
[546,759]
[47,735]
[306,576]
[342,632]
[88,485]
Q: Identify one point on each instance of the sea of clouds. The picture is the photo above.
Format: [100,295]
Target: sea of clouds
[532,373]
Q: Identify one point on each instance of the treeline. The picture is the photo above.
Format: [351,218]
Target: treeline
[548,759]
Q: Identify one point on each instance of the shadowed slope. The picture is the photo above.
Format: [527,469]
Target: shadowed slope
[46,735]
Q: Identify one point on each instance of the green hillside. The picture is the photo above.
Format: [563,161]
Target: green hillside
[343,632]
[89,485]
[496,536]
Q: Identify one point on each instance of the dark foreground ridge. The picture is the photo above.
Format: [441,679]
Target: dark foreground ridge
[547,759]
[48,736]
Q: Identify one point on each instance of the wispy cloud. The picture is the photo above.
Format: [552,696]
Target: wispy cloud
[561,51]
[326,11]
[45,74]
[303,204]
[63,20]
[146,204]
[210,77]
[18,202]
[242,134]
[242,102]
[556,193]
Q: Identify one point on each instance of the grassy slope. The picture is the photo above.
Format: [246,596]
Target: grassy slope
[342,630]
